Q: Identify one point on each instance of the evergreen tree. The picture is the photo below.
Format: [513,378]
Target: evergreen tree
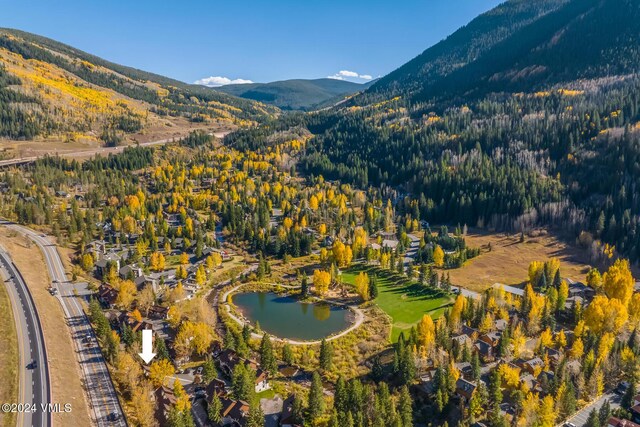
[373,288]
[214,410]
[287,354]
[304,286]
[593,420]
[209,372]
[629,394]
[326,355]
[161,349]
[316,398]
[256,416]
[604,413]
[267,358]
[405,410]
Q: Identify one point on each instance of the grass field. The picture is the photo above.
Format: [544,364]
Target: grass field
[406,302]
[8,358]
[508,261]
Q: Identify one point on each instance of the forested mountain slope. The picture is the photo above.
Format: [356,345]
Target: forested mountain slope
[522,44]
[483,146]
[297,94]
[49,88]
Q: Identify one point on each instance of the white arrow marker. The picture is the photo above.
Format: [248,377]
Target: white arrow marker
[147,346]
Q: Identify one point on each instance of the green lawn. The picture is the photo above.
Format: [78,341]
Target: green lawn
[406,302]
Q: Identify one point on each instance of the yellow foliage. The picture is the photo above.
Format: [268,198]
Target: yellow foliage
[321,281]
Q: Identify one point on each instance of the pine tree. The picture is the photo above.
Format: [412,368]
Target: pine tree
[405,410]
[593,420]
[161,349]
[267,358]
[604,413]
[475,366]
[209,370]
[316,399]
[629,394]
[214,409]
[326,355]
[373,288]
[256,416]
[304,286]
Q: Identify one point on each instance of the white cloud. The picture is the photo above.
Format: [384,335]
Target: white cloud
[346,74]
[217,81]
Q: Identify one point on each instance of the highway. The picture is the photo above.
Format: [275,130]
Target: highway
[94,151]
[79,153]
[105,408]
[34,388]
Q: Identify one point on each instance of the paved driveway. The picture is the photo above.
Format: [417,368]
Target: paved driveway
[580,418]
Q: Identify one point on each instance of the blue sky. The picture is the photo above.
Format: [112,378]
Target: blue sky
[248,40]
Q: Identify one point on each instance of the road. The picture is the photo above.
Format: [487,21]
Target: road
[580,418]
[35,386]
[96,378]
[88,153]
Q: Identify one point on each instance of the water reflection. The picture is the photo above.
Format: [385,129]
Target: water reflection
[281,316]
[321,311]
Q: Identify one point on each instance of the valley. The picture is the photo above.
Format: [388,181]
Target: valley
[453,243]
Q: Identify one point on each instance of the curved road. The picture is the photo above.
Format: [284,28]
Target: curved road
[105,407]
[35,387]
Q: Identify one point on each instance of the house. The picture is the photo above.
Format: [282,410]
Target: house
[107,296]
[553,355]
[157,312]
[470,332]
[465,368]
[228,359]
[465,389]
[105,262]
[530,381]
[289,371]
[426,385]
[97,248]
[617,422]
[234,412]
[262,382]
[510,289]
[533,365]
[501,325]
[391,244]
[485,350]
[286,418]
[166,400]
[216,387]
[131,272]
[462,340]
[635,410]
[491,338]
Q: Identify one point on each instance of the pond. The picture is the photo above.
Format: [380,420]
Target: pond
[286,317]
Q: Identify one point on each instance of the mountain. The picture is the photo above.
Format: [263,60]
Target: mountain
[52,90]
[522,44]
[296,94]
[527,116]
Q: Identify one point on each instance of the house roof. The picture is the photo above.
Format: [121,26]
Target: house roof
[617,422]
[465,388]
